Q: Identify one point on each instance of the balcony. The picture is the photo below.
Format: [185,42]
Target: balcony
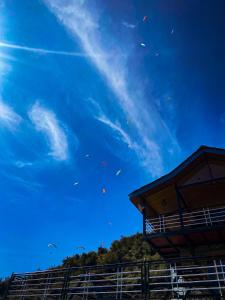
[205,217]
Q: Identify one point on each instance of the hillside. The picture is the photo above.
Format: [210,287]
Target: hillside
[126,249]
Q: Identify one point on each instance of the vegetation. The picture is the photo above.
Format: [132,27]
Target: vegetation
[127,249]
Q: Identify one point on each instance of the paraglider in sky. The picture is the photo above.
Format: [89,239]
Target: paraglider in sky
[104,190]
[145,18]
[51,245]
[104,163]
[118,172]
[80,248]
[143,45]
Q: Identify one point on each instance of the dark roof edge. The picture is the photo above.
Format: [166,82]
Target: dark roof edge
[201,150]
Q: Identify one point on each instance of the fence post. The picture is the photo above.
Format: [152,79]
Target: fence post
[65,284]
[8,286]
[144,279]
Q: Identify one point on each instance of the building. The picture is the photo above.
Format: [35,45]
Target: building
[183,220]
[184,211]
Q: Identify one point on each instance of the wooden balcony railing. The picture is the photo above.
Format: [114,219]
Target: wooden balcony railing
[193,219]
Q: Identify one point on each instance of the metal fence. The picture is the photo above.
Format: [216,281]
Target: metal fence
[196,218]
[115,281]
[179,279]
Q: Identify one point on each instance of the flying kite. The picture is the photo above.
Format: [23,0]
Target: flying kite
[87,155]
[76,183]
[143,45]
[172,31]
[118,172]
[51,245]
[145,18]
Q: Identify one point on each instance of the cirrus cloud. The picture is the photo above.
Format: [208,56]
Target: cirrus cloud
[8,117]
[148,126]
[46,122]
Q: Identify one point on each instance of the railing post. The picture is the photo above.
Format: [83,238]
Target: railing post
[160,224]
[206,221]
[65,284]
[8,286]
[144,222]
[145,279]
[217,277]
[209,216]
[179,207]
[222,271]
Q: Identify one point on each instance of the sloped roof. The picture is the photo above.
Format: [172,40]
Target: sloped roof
[166,179]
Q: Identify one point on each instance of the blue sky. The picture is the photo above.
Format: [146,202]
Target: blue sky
[81,99]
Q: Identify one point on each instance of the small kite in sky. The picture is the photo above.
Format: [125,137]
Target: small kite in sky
[87,155]
[172,31]
[110,223]
[104,190]
[76,183]
[51,245]
[118,172]
[143,45]
[145,18]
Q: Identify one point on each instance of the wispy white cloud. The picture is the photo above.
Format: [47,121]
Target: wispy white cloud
[147,124]
[23,164]
[42,51]
[8,117]
[139,149]
[28,183]
[124,136]
[46,122]
[129,25]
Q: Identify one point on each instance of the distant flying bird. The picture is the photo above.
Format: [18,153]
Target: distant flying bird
[51,245]
[143,45]
[118,172]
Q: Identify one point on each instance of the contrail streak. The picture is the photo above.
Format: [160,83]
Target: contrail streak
[42,51]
